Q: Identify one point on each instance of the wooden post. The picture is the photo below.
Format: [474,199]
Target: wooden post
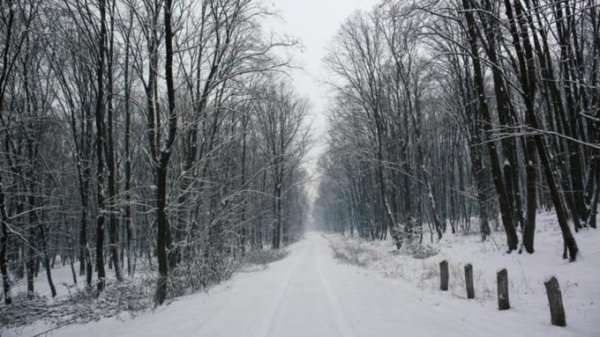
[502,278]
[557,311]
[469,280]
[444,275]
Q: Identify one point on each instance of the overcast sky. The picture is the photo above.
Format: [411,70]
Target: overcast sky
[314,23]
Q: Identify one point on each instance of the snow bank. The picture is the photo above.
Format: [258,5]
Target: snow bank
[579,281]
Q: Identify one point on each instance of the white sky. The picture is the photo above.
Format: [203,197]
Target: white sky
[314,23]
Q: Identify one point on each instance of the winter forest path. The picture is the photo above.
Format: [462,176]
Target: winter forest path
[309,293]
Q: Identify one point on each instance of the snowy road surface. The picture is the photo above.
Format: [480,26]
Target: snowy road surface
[310,293]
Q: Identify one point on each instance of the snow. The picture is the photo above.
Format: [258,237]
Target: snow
[311,293]
[62,277]
[526,272]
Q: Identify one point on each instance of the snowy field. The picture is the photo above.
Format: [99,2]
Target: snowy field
[313,293]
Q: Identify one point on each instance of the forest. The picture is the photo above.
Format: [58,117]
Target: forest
[150,148]
[151,135]
[466,116]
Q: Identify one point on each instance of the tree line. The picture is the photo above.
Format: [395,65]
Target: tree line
[145,133]
[449,112]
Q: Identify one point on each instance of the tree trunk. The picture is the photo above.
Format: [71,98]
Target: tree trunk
[100,150]
[4,247]
[276,236]
[528,83]
[112,208]
[505,208]
[30,265]
[163,163]
[161,240]
[47,260]
[128,223]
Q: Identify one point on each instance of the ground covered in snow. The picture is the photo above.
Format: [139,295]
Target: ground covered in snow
[320,291]
[579,281]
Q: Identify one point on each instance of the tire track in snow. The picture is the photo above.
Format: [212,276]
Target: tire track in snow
[345,326]
[268,323]
[324,315]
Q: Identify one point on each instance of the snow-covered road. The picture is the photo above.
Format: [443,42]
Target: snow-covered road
[309,293]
